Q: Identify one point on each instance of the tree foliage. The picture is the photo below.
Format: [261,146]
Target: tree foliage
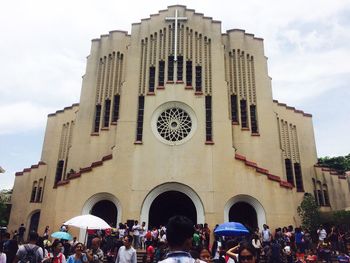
[340,163]
[309,213]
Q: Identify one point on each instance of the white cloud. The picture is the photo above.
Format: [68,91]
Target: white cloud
[22,117]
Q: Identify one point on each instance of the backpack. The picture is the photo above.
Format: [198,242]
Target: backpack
[30,256]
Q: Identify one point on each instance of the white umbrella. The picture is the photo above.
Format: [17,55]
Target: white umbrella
[87,222]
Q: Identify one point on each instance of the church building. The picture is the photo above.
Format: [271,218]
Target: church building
[176,117]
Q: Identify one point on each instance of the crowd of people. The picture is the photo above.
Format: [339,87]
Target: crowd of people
[179,239]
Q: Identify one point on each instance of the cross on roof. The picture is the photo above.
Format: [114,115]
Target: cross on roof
[175,18]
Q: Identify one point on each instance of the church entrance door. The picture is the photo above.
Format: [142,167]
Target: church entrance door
[244,213]
[168,204]
[106,210]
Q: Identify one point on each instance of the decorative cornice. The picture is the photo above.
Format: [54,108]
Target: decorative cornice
[64,109]
[292,108]
[264,171]
[86,169]
[331,171]
[27,170]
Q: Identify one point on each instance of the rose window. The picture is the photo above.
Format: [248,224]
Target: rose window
[174,123]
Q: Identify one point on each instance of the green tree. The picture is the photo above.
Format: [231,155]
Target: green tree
[309,212]
[340,163]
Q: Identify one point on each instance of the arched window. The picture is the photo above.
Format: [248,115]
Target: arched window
[33,194]
[325,195]
[39,191]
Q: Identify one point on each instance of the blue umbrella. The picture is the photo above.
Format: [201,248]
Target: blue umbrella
[62,235]
[231,229]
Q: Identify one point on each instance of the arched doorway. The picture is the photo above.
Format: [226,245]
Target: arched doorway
[168,187]
[34,222]
[169,204]
[245,203]
[244,213]
[106,210]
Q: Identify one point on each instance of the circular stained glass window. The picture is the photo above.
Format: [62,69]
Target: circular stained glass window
[173,123]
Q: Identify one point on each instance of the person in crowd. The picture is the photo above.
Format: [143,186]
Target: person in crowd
[322,234]
[126,253]
[299,239]
[40,243]
[161,251]
[46,232]
[311,256]
[56,255]
[246,253]
[266,235]
[143,232]
[95,254]
[151,252]
[275,252]
[215,249]
[179,236]
[287,252]
[30,252]
[204,255]
[257,245]
[79,255]
[136,234]
[10,247]
[333,238]
[343,258]
[21,231]
[2,255]
[206,241]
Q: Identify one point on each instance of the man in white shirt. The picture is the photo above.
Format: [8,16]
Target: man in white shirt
[136,234]
[322,234]
[126,253]
[266,235]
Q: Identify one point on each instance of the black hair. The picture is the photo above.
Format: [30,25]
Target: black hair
[179,228]
[130,238]
[55,243]
[33,236]
[246,246]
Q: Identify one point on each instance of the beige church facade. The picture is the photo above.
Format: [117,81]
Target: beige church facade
[176,118]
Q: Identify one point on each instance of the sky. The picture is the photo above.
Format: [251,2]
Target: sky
[44,45]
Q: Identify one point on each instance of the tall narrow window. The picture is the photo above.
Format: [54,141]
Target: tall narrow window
[325,194]
[59,171]
[289,171]
[198,78]
[189,73]
[115,114]
[171,68]
[152,76]
[253,119]
[97,118]
[320,194]
[32,196]
[161,73]
[180,63]
[208,119]
[244,117]
[298,177]
[140,118]
[107,113]
[38,195]
[234,110]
